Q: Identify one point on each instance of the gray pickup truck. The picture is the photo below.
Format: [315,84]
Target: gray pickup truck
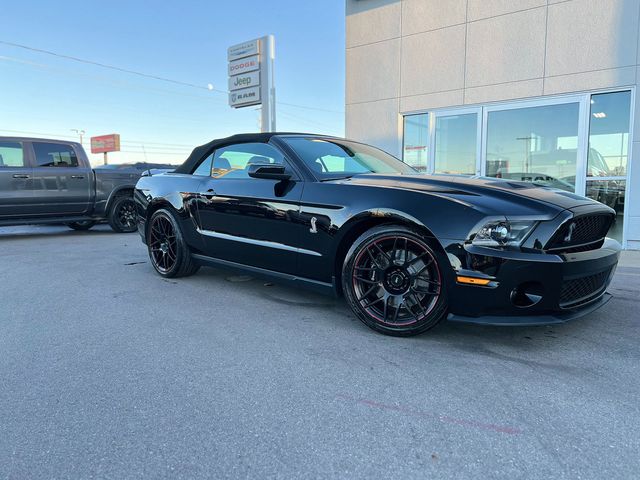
[51,181]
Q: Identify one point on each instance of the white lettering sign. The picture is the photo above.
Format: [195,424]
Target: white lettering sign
[245,49]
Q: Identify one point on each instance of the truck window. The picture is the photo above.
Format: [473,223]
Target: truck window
[55,155]
[11,154]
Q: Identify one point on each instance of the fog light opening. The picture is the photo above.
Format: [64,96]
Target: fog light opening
[527,294]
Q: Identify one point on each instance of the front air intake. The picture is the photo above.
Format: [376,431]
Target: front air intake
[582,233]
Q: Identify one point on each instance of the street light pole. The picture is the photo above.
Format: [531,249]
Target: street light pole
[79,132]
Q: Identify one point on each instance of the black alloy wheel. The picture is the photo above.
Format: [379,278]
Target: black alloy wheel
[122,216]
[393,281]
[169,253]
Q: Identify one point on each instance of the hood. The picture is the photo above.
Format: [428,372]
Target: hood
[472,189]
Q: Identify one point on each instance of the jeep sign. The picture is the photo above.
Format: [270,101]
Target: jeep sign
[246,80]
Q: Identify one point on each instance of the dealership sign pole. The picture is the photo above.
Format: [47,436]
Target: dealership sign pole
[251,78]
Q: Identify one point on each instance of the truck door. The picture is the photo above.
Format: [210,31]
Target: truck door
[62,184]
[16,180]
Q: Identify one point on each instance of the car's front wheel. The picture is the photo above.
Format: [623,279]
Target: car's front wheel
[392,279]
[169,253]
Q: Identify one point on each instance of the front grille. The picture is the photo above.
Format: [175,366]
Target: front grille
[581,290]
[581,233]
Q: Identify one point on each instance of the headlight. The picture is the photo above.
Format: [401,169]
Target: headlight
[502,233]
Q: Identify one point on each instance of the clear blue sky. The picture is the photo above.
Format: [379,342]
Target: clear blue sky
[185,41]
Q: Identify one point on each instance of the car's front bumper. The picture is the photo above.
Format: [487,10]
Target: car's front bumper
[533,320]
[566,286]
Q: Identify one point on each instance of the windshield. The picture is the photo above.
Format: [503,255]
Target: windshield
[332,159]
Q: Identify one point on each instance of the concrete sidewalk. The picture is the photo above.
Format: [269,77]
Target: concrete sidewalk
[630,258]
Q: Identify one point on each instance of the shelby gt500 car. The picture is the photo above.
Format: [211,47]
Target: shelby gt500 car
[406,250]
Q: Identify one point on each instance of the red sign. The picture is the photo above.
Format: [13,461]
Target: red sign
[105,143]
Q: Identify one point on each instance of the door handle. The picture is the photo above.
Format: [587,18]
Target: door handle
[21,175]
[79,177]
[209,194]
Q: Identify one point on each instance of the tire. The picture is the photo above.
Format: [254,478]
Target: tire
[81,226]
[393,280]
[122,215]
[169,253]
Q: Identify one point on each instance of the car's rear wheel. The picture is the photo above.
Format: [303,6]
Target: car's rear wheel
[122,215]
[392,279]
[169,253]
[83,225]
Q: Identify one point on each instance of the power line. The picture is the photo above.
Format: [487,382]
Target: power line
[310,108]
[39,133]
[111,67]
[148,75]
[128,144]
[132,142]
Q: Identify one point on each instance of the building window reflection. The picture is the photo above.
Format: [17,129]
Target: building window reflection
[416,139]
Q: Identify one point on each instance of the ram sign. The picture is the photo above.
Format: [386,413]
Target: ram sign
[245,97]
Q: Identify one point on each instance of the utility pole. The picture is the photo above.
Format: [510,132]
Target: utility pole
[80,133]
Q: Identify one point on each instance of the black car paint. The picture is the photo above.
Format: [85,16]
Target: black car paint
[300,229]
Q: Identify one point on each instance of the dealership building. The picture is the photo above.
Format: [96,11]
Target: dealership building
[534,90]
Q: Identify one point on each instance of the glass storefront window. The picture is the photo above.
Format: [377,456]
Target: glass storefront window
[534,141]
[456,144]
[536,144]
[416,139]
[609,134]
[611,193]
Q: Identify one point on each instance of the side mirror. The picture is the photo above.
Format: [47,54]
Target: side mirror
[269,171]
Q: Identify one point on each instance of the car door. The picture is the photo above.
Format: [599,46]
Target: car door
[245,220]
[61,184]
[16,180]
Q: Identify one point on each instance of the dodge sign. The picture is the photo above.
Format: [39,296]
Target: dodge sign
[244,65]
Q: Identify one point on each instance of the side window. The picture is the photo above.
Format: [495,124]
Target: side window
[204,169]
[234,161]
[11,154]
[55,155]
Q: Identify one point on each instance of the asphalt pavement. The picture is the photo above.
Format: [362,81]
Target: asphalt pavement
[109,371]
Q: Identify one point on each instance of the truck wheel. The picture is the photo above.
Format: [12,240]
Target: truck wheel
[84,225]
[122,215]
[169,253]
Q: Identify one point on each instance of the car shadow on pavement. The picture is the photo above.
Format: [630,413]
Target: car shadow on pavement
[501,342]
[29,232]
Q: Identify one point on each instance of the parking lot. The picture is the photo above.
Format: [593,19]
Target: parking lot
[107,370]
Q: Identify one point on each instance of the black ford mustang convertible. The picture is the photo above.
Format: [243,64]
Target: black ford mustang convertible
[406,250]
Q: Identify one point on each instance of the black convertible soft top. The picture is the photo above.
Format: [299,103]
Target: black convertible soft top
[202,151]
